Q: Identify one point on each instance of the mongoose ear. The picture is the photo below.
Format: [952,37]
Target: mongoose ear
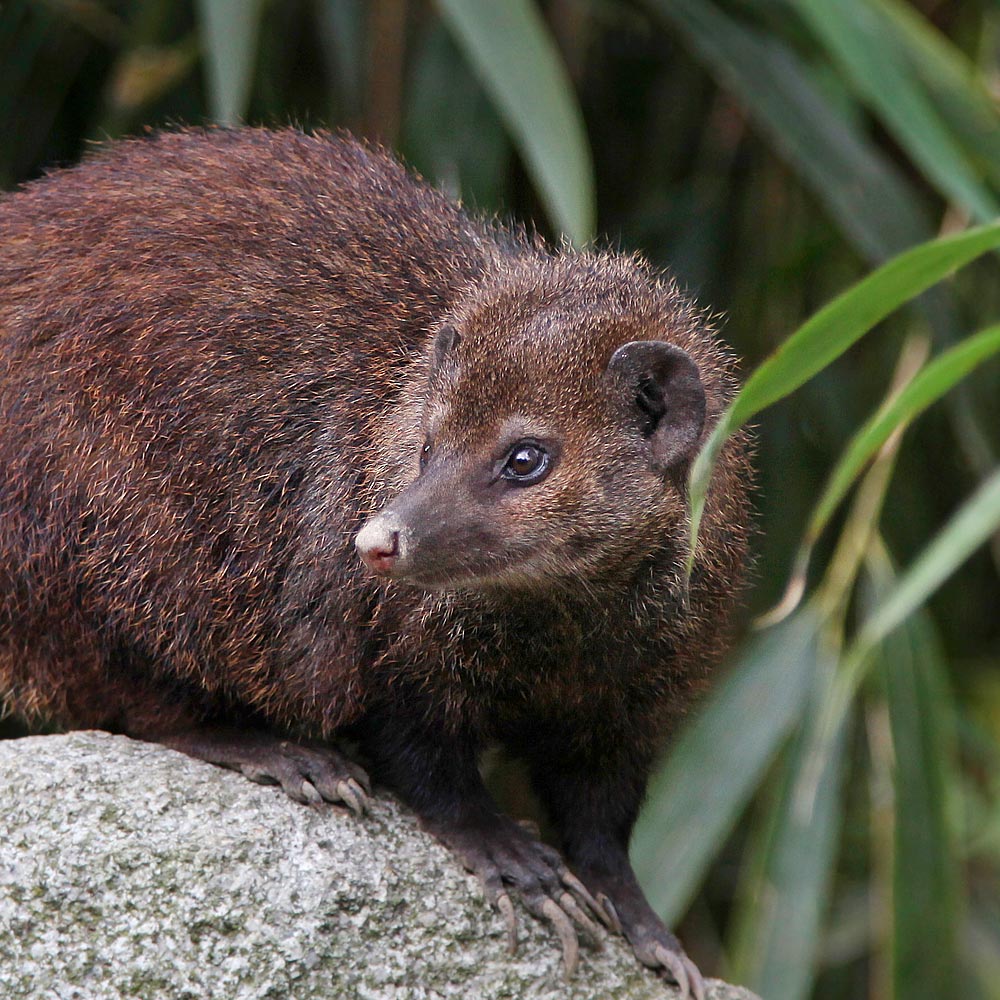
[445,342]
[666,397]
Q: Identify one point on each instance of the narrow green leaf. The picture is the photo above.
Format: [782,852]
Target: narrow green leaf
[830,332]
[696,798]
[451,132]
[974,522]
[515,57]
[794,876]
[937,378]
[229,38]
[341,33]
[841,323]
[874,205]
[957,88]
[855,34]
[925,909]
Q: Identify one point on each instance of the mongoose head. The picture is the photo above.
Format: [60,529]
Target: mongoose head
[560,408]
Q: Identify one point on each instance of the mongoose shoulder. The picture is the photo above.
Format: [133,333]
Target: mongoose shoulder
[292,448]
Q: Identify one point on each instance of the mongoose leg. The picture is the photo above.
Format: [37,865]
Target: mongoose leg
[308,774]
[439,778]
[595,816]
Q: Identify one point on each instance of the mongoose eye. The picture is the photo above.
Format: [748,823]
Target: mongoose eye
[425,454]
[527,463]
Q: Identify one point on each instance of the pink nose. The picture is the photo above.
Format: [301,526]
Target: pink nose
[378,545]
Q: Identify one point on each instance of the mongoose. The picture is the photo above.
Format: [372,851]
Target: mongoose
[293,448]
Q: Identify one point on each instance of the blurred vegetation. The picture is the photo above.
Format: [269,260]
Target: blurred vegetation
[829,824]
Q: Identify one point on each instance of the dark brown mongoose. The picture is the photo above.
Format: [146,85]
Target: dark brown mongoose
[231,362]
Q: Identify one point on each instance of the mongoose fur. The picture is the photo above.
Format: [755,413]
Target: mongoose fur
[292,448]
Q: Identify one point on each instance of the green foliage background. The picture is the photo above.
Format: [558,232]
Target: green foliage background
[829,823]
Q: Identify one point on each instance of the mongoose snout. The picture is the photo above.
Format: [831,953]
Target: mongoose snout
[379,543]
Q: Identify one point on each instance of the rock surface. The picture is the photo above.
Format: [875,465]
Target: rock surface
[129,870]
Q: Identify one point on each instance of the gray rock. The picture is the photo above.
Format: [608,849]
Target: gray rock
[129,870]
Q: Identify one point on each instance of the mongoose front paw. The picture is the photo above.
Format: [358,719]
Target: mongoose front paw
[307,774]
[507,859]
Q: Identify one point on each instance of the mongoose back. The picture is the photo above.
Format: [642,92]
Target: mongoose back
[293,448]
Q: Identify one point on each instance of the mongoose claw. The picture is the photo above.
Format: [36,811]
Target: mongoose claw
[310,794]
[567,918]
[570,906]
[695,979]
[684,972]
[675,966]
[353,796]
[506,907]
[609,914]
[575,885]
[566,931]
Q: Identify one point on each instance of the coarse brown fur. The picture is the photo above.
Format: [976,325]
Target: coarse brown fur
[217,361]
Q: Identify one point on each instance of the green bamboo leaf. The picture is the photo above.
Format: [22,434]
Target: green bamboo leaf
[341,26]
[733,739]
[860,40]
[974,522]
[830,332]
[779,948]
[512,52]
[925,909]
[874,205]
[955,85]
[229,36]
[937,378]
[451,131]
